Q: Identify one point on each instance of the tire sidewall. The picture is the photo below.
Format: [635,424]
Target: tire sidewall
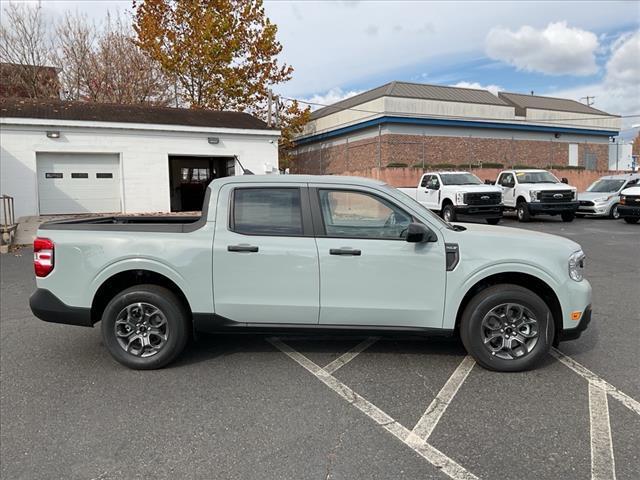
[481,304]
[614,213]
[522,212]
[174,312]
[451,213]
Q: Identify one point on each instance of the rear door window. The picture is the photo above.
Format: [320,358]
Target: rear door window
[266,211]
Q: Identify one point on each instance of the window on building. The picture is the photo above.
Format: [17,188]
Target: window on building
[104,175]
[52,175]
[349,213]
[267,211]
[79,175]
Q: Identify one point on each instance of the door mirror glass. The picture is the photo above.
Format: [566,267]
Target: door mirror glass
[418,233]
[565,180]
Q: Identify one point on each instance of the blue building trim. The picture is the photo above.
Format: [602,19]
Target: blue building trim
[451,123]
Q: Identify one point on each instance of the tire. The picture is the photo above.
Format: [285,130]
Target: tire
[163,330]
[614,213]
[568,216]
[449,213]
[477,325]
[631,219]
[493,221]
[522,212]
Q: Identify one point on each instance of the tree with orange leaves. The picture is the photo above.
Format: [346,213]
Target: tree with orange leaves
[223,53]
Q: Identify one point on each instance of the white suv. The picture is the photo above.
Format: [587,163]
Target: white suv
[537,192]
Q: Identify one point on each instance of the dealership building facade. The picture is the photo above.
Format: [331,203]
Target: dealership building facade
[425,126]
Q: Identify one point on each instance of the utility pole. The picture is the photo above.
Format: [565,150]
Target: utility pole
[277,124]
[269,106]
[589,100]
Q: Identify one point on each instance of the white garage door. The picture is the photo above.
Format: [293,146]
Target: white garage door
[78,183]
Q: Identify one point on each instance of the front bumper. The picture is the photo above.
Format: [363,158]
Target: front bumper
[574,333]
[629,211]
[46,306]
[544,208]
[479,211]
[574,297]
[596,210]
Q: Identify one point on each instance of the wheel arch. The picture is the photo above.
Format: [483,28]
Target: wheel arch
[128,278]
[525,280]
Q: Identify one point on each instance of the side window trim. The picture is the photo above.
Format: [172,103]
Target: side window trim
[318,220]
[305,211]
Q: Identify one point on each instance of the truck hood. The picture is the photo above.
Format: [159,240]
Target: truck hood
[474,188]
[512,243]
[595,195]
[548,186]
[631,191]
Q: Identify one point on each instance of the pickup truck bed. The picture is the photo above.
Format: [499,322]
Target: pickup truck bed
[151,223]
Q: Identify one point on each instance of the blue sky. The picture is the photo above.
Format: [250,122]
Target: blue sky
[563,48]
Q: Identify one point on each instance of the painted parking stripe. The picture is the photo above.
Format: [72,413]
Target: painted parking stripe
[425,450]
[427,423]
[345,358]
[591,377]
[603,466]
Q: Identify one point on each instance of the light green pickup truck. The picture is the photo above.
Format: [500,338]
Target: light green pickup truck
[310,254]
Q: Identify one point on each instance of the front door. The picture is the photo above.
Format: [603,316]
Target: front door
[507,182]
[265,260]
[369,274]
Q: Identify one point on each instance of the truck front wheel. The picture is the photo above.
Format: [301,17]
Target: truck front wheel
[493,221]
[523,212]
[568,216]
[449,213]
[507,328]
[145,327]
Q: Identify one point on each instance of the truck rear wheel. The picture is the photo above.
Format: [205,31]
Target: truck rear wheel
[507,328]
[145,327]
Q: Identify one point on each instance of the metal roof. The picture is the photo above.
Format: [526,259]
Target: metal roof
[105,112]
[413,90]
[523,101]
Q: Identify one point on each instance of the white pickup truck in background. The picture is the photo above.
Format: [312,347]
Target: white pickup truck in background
[458,194]
[537,192]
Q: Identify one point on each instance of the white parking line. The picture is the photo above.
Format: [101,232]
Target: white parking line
[423,429]
[591,377]
[425,450]
[345,358]
[603,465]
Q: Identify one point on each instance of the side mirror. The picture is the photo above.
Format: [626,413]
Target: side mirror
[488,182]
[418,233]
[433,187]
[509,184]
[565,180]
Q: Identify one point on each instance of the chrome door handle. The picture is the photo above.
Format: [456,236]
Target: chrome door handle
[242,248]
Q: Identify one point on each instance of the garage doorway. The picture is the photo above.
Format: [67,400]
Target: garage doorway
[189,177]
[78,183]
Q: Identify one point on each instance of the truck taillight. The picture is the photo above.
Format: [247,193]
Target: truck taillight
[42,256]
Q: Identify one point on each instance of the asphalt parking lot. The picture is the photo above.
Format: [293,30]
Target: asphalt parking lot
[325,407]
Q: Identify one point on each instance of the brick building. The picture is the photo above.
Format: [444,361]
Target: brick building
[408,124]
[29,81]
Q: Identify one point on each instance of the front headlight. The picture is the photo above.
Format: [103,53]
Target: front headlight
[602,199]
[574,194]
[534,195]
[576,265]
[460,198]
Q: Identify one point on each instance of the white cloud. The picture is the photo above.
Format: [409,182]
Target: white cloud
[619,92]
[556,50]
[329,98]
[476,86]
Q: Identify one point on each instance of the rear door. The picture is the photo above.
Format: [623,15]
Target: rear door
[265,260]
[369,274]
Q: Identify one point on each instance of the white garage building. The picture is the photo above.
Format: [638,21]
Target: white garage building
[71,157]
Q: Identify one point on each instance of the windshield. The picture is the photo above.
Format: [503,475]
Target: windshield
[536,177]
[405,198]
[460,179]
[605,186]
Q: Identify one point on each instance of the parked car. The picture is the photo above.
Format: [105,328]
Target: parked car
[308,254]
[537,192]
[629,208]
[458,195]
[602,197]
